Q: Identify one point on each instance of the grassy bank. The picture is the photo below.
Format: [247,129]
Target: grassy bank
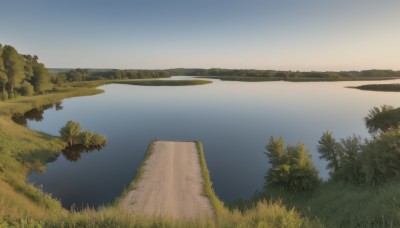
[380,87]
[24,104]
[340,204]
[164,82]
[23,151]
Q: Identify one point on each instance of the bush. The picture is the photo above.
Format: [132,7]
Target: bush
[89,139]
[4,95]
[27,89]
[98,140]
[86,138]
[381,158]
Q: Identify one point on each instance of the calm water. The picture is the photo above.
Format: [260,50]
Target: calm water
[233,120]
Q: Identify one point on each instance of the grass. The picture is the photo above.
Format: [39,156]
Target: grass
[23,151]
[164,82]
[380,87]
[24,104]
[337,204]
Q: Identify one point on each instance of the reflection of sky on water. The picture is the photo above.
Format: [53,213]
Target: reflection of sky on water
[232,119]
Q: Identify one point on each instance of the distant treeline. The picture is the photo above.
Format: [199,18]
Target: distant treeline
[114,74]
[225,74]
[270,75]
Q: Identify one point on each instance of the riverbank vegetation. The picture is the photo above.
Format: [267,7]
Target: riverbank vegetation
[165,82]
[363,189]
[380,87]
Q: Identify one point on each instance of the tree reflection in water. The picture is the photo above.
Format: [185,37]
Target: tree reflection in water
[35,114]
[73,153]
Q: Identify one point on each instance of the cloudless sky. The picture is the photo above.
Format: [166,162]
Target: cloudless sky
[158,34]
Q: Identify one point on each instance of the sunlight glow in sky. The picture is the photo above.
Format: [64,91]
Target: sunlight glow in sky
[159,34]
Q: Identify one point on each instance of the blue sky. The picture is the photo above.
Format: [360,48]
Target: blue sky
[158,34]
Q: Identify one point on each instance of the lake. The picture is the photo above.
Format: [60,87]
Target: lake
[233,120]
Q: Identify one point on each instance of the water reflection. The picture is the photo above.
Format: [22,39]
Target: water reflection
[73,153]
[35,114]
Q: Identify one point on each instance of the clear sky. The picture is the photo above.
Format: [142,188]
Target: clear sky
[158,34]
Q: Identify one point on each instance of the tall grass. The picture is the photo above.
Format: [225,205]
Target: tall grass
[338,204]
[262,215]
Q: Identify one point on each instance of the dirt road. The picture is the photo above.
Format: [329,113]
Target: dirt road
[171,184]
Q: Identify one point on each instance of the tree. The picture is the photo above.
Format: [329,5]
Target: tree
[278,174]
[41,77]
[351,150]
[70,132]
[14,65]
[292,167]
[28,66]
[381,119]
[329,150]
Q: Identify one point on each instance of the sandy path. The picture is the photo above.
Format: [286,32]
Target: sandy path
[171,184]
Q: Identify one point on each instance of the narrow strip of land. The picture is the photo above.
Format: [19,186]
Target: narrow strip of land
[171,184]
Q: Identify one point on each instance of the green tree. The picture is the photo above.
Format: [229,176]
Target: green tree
[329,150]
[28,71]
[379,119]
[292,167]
[351,150]
[70,132]
[278,174]
[14,66]
[41,77]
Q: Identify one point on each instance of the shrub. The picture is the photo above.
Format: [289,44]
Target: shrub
[27,89]
[381,158]
[86,138]
[4,95]
[98,140]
